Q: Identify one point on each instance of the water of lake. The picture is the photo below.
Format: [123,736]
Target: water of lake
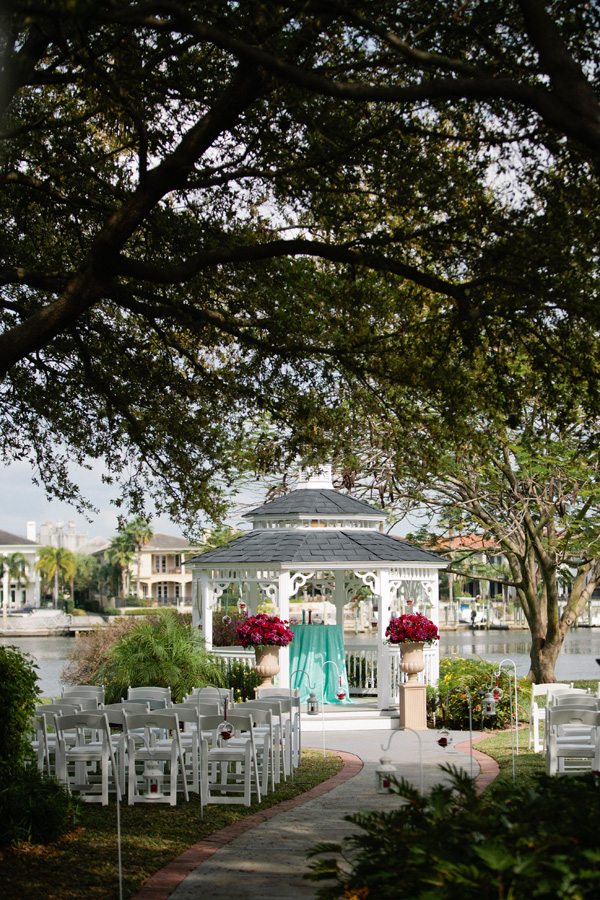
[577,659]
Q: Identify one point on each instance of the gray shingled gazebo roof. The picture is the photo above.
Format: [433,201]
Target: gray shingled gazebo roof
[316,502]
[318,546]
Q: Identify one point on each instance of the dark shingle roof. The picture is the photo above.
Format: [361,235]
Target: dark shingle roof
[321,545]
[315,502]
[6,538]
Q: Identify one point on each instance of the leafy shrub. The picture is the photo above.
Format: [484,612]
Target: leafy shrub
[69,606]
[243,678]
[110,611]
[18,697]
[91,650]
[91,606]
[34,808]
[224,633]
[518,842]
[134,601]
[163,651]
[145,611]
[457,676]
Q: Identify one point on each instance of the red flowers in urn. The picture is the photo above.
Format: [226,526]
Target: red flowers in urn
[411,629]
[261,630]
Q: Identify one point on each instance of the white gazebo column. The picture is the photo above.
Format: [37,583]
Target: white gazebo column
[205,595]
[384,670]
[434,594]
[252,595]
[284,588]
[339,597]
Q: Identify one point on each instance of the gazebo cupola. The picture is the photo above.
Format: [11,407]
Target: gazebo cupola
[316,536]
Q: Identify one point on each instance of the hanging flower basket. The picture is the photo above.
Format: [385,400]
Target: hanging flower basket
[262,630]
[411,629]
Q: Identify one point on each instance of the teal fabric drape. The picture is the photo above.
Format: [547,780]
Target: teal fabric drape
[312,647]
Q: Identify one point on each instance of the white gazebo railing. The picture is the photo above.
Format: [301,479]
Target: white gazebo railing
[361,666]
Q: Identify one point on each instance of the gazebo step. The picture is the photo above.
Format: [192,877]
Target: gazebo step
[348,719]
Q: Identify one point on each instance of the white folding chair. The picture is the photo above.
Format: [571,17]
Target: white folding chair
[264,740]
[159,756]
[88,748]
[565,751]
[150,693]
[84,690]
[39,743]
[537,711]
[116,719]
[190,736]
[231,774]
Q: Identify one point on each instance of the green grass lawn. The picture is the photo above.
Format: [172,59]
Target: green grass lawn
[83,864]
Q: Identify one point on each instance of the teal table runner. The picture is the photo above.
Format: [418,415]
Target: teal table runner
[314,645]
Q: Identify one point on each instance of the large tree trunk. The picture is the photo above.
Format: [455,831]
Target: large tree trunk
[544,653]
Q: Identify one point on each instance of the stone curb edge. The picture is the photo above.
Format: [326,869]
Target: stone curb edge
[161,885]
[488,767]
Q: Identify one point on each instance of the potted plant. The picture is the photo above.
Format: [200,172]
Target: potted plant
[413,632]
[266,634]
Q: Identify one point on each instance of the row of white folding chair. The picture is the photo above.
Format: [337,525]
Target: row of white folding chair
[267,740]
[231,773]
[276,730]
[571,737]
[537,711]
[293,726]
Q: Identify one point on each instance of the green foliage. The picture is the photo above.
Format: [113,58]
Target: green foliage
[34,808]
[139,602]
[168,282]
[163,652]
[474,675]
[18,697]
[110,611]
[514,841]
[243,678]
[224,633]
[143,611]
[92,606]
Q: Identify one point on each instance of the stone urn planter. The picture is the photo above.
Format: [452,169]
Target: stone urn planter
[267,662]
[412,661]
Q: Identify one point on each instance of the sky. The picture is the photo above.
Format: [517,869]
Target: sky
[21,502]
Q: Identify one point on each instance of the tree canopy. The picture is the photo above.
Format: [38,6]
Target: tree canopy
[215,210]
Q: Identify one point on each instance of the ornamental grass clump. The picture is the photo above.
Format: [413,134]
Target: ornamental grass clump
[263,630]
[411,629]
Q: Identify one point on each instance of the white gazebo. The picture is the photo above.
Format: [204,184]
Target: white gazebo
[317,536]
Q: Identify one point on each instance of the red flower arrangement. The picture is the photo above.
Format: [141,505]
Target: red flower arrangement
[411,629]
[256,631]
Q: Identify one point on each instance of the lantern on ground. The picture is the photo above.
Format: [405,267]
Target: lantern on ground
[312,705]
[154,778]
[384,774]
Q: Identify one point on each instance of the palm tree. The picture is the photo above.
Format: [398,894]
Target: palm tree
[162,651]
[140,532]
[120,553]
[14,565]
[56,564]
